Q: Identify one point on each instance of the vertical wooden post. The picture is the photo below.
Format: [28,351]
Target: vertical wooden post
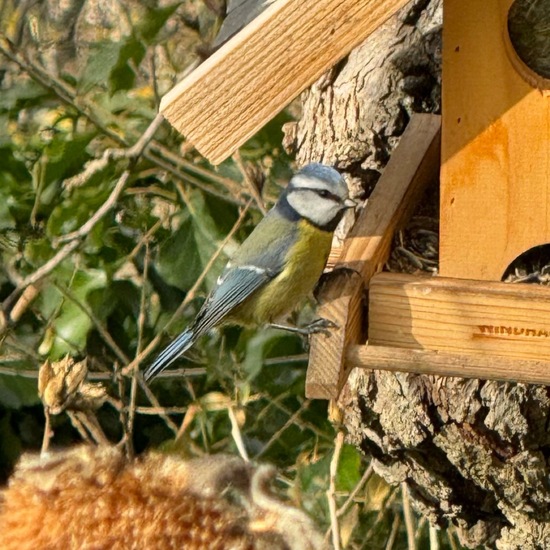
[495,177]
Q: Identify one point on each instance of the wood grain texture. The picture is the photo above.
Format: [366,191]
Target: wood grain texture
[484,367]
[342,301]
[228,98]
[460,316]
[495,177]
[413,165]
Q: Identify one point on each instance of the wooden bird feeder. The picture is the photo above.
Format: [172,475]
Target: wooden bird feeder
[490,152]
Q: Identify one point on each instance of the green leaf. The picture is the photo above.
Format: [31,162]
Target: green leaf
[69,324]
[266,344]
[122,75]
[7,221]
[75,210]
[313,481]
[349,469]
[103,57]
[17,392]
[148,27]
[185,254]
[65,155]
[22,94]
[179,262]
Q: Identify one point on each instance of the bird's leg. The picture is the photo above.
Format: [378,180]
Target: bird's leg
[319,325]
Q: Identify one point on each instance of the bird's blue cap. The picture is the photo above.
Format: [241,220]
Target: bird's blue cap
[321,172]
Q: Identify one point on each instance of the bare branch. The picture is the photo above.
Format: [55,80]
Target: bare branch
[331,492]
[237,435]
[349,501]
[409,517]
[48,432]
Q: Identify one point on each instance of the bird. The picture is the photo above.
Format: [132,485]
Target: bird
[277,266]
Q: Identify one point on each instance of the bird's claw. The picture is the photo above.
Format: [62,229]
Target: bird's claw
[320,325]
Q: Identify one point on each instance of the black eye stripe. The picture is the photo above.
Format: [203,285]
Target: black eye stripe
[324,193]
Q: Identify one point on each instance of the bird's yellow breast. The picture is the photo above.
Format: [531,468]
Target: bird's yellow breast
[304,264]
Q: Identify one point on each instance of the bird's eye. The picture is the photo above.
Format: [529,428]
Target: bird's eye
[324,193]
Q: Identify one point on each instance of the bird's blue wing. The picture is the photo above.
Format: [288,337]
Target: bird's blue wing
[259,259]
[233,288]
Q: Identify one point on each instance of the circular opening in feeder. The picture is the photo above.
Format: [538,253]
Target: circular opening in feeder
[533,266]
[529,37]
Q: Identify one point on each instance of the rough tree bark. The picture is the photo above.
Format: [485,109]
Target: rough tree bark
[473,453]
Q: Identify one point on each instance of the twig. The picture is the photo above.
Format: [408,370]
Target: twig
[74,237]
[111,201]
[292,420]
[451,539]
[349,501]
[89,422]
[185,177]
[40,273]
[155,411]
[66,93]
[48,433]
[381,513]
[25,300]
[93,376]
[134,382]
[97,323]
[141,144]
[122,411]
[182,373]
[192,411]
[79,427]
[409,517]
[252,189]
[285,359]
[393,533]
[71,246]
[434,539]
[158,153]
[157,148]
[237,435]
[154,401]
[331,492]
[300,422]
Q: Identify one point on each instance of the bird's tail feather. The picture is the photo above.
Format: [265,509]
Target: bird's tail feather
[182,343]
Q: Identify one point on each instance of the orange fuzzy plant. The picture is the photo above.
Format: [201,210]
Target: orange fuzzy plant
[94,498]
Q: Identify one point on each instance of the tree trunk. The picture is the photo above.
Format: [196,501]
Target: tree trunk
[473,452]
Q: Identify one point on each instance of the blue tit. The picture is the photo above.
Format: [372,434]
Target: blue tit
[278,265]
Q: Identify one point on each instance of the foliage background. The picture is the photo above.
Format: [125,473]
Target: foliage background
[107,254]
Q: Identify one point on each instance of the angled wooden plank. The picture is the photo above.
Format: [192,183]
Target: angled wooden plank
[460,316]
[485,367]
[244,84]
[413,165]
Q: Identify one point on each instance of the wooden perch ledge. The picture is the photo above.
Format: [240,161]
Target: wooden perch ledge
[438,363]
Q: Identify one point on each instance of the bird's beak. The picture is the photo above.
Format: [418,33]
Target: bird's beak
[350,203]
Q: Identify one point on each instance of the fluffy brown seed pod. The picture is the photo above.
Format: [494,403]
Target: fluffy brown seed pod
[94,498]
